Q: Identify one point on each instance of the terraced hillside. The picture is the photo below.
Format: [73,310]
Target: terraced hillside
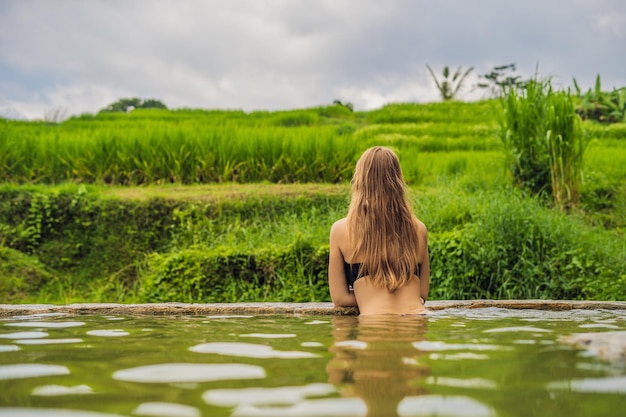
[221,206]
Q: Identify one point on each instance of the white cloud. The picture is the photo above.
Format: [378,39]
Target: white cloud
[276,54]
[613,25]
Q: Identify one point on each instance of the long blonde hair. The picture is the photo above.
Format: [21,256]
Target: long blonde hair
[381,225]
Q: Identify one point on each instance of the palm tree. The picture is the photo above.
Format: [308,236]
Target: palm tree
[448,88]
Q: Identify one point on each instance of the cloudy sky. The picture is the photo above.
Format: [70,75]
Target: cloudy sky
[81,55]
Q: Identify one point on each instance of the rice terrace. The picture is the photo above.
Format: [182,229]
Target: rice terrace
[187,205]
[312,208]
[165,262]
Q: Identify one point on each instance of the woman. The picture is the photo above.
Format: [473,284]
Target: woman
[379,252]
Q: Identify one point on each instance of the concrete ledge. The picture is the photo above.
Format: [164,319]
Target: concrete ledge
[8,310]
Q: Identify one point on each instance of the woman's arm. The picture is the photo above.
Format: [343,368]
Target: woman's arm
[425,268]
[337,284]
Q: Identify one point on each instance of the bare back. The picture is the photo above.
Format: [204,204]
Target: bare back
[369,298]
[373,300]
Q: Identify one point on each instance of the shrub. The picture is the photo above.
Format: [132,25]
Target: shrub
[512,248]
[602,106]
[543,140]
[293,273]
[21,276]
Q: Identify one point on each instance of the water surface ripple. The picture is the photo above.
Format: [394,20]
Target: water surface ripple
[453,362]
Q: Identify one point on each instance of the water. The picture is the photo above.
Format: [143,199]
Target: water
[470,363]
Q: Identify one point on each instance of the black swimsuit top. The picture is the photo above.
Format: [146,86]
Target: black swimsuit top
[352,272]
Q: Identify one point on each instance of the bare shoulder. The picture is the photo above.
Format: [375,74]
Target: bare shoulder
[339,224]
[338,228]
[421,228]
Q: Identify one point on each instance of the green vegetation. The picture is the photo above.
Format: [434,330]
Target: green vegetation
[544,140]
[602,106]
[269,243]
[21,276]
[129,104]
[500,79]
[450,84]
[225,206]
[159,146]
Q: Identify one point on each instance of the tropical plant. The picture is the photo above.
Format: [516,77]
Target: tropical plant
[451,84]
[55,115]
[544,140]
[128,104]
[605,107]
[346,104]
[566,146]
[500,79]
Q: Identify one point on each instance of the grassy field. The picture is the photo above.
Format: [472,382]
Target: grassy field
[207,206]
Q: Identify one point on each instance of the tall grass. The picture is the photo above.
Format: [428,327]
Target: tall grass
[474,169]
[268,242]
[84,245]
[446,112]
[522,131]
[431,136]
[566,145]
[506,245]
[180,151]
[544,141]
[194,146]
[311,145]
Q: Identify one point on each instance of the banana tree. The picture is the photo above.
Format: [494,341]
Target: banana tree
[449,86]
[603,106]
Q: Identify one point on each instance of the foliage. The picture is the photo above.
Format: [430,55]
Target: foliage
[601,106]
[544,141]
[198,274]
[566,147]
[448,112]
[97,245]
[193,146]
[514,249]
[500,80]
[522,131]
[127,104]
[104,243]
[241,246]
[21,276]
[138,149]
[346,104]
[86,239]
[450,84]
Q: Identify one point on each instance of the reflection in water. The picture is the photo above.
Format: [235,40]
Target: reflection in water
[189,372]
[166,409]
[375,360]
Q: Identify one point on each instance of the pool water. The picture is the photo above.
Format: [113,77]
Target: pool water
[454,362]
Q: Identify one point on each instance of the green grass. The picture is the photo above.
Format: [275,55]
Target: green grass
[157,152]
[544,140]
[226,243]
[186,146]
[309,145]
[194,205]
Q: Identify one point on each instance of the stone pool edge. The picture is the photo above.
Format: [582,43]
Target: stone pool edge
[8,310]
